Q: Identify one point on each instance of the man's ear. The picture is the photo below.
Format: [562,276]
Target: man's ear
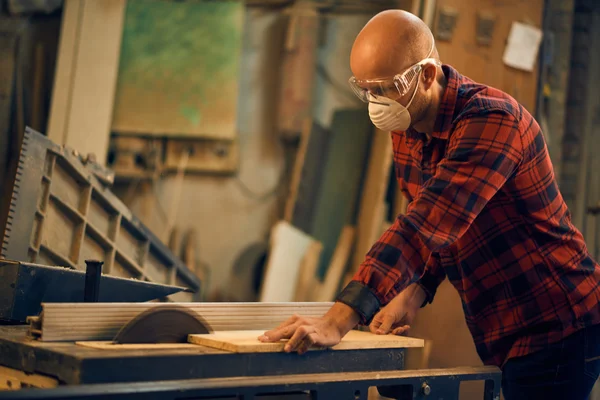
[429,75]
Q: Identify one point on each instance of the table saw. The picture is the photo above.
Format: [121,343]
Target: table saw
[119,349]
[73,370]
[93,305]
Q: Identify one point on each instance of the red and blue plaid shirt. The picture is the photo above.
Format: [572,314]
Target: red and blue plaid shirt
[486,212]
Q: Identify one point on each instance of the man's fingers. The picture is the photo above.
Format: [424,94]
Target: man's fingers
[296,340]
[386,324]
[375,324]
[401,330]
[283,331]
[307,342]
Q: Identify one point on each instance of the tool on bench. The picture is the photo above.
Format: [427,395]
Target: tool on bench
[24,287]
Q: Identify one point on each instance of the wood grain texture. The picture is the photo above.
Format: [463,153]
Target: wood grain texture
[63,75]
[247,342]
[108,345]
[94,77]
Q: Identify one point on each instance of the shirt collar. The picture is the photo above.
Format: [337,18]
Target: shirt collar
[445,116]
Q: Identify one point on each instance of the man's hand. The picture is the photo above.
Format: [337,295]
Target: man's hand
[399,313]
[304,332]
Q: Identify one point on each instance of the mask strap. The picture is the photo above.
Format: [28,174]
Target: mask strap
[415,92]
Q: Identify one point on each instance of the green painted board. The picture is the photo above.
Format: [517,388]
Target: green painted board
[179,68]
[342,178]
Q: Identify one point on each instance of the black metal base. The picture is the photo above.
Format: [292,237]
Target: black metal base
[424,384]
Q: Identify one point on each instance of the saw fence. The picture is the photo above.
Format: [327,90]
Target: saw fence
[62,322]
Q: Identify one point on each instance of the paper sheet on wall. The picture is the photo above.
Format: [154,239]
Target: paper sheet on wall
[523,46]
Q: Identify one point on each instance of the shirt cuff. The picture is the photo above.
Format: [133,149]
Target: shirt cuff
[360,298]
[429,284]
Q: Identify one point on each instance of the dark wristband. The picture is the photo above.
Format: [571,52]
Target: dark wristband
[360,298]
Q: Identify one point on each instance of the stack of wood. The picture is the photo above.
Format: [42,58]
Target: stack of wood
[342,197]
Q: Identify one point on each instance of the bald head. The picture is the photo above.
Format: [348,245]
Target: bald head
[389,43]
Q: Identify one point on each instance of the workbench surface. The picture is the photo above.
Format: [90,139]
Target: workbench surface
[74,364]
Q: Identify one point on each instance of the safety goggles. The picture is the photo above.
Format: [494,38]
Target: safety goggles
[390,87]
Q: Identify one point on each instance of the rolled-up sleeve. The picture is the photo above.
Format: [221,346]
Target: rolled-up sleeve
[483,152]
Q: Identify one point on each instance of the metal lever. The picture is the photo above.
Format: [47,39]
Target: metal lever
[93,274]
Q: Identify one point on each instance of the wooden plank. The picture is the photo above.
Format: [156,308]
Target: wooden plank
[173,80]
[108,345]
[33,380]
[9,384]
[94,58]
[297,69]
[371,214]
[307,282]
[95,77]
[328,289]
[429,11]
[65,67]
[297,170]
[341,180]
[288,248]
[306,179]
[247,342]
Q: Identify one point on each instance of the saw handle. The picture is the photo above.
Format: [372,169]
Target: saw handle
[93,273]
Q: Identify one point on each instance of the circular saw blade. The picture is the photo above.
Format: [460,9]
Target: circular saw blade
[162,324]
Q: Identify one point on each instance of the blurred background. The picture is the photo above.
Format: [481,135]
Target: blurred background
[229,130]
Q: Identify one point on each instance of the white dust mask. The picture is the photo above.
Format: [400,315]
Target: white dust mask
[389,115]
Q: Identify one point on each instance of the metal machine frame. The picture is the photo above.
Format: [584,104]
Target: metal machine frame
[415,384]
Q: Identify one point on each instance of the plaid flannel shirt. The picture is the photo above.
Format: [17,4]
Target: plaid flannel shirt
[486,212]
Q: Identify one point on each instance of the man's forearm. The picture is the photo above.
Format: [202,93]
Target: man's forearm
[343,317]
[415,296]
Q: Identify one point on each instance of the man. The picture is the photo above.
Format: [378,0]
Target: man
[485,211]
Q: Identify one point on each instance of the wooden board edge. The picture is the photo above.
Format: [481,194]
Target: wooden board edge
[108,345]
[221,344]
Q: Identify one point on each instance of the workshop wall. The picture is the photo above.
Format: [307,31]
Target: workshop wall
[483,63]
[230,213]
